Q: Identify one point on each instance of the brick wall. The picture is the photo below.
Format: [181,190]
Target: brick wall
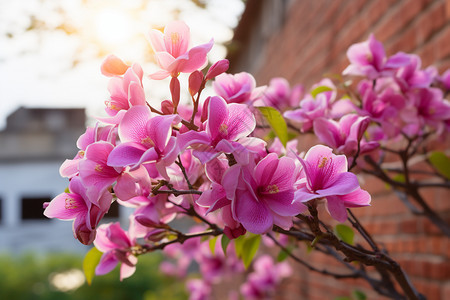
[310,39]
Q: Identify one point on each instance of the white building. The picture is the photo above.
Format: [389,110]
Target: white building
[32,148]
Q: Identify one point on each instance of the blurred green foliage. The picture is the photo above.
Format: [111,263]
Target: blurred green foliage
[27,277]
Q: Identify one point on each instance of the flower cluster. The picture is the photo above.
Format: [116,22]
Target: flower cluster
[208,160]
[395,98]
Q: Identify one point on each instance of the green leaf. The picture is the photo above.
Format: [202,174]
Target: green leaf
[283,254]
[66,190]
[320,89]
[212,244]
[399,178]
[276,121]
[250,248]
[224,242]
[344,233]
[358,295]
[441,162]
[342,298]
[239,245]
[90,262]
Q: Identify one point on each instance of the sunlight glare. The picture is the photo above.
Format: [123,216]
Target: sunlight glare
[113,27]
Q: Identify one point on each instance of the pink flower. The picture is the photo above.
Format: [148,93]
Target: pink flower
[410,75]
[199,289]
[312,108]
[279,95]
[369,59]
[327,177]
[94,172]
[227,124]
[116,244]
[344,135]
[145,138]
[126,91]
[85,208]
[215,198]
[426,107]
[171,51]
[263,281]
[69,168]
[445,80]
[260,195]
[238,88]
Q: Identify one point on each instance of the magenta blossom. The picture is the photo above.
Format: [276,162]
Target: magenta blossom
[264,280]
[345,135]
[145,138]
[312,108]
[279,95]
[238,88]
[227,125]
[369,59]
[327,177]
[262,195]
[94,171]
[215,198]
[116,244]
[69,168]
[426,107]
[199,289]
[85,208]
[126,91]
[410,76]
[171,51]
[445,80]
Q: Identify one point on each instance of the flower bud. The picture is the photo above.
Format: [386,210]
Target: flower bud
[175,91]
[217,69]
[205,110]
[167,107]
[144,221]
[195,82]
[113,66]
[156,235]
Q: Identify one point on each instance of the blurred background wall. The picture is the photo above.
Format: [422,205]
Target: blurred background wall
[304,40]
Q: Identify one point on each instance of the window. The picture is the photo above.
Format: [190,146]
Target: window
[33,209]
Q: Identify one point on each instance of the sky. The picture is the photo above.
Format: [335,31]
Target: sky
[51,51]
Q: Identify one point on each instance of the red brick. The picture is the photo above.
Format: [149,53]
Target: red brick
[437,245]
[314,41]
[437,270]
[445,289]
[410,226]
[430,289]
[430,228]
[400,16]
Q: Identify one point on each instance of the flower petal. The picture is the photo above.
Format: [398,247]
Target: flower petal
[336,208]
[253,215]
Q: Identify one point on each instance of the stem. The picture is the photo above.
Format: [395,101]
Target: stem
[311,268]
[184,122]
[183,170]
[181,238]
[196,102]
[380,261]
[356,155]
[356,224]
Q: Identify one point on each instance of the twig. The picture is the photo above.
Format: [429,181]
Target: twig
[307,265]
